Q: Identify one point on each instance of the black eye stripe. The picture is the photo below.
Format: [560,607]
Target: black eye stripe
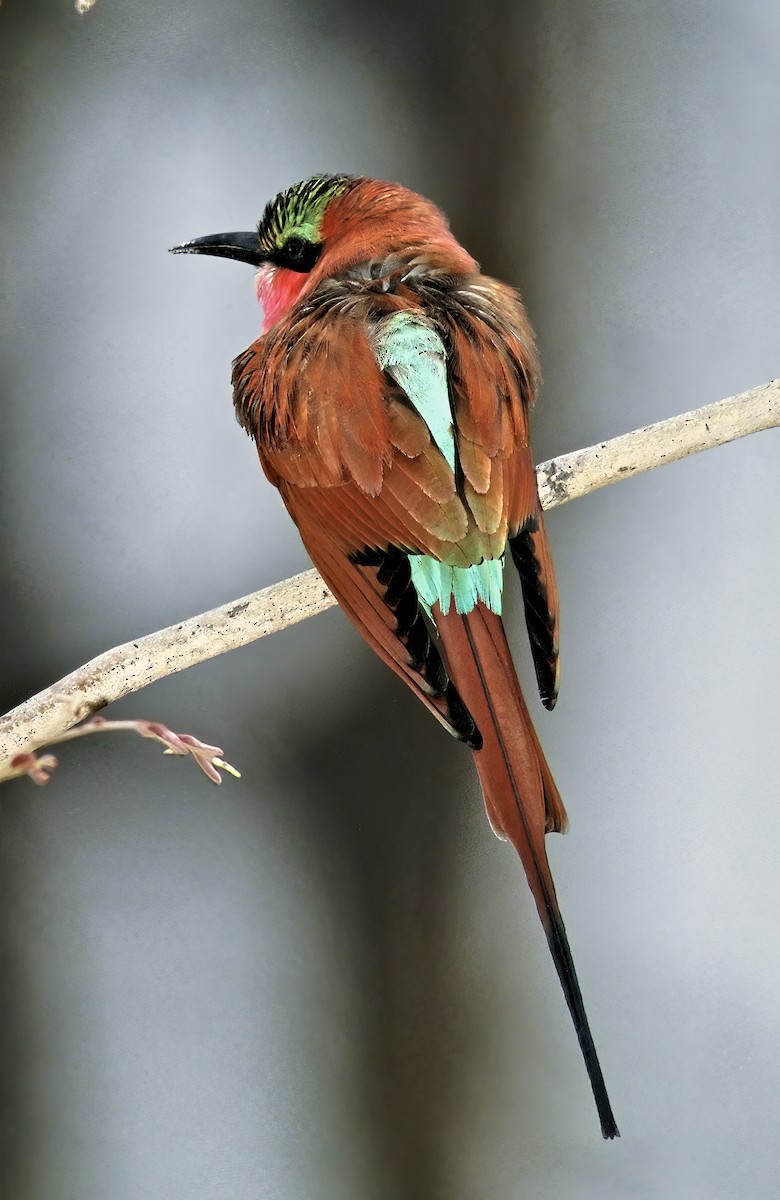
[297,254]
[301,206]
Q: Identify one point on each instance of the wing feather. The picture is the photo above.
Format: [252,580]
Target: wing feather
[400,419]
[393,625]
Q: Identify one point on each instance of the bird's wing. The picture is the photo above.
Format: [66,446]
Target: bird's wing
[492,345]
[531,555]
[376,592]
[385,428]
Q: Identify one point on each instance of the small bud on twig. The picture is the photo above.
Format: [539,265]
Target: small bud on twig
[38,767]
[209,758]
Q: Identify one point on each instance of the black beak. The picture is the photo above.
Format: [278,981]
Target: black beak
[244,247]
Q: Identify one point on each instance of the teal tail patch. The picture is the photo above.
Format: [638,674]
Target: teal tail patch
[436,582]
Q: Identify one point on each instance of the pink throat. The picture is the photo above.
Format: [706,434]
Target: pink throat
[277,289]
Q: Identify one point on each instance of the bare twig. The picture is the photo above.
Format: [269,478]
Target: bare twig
[209,758]
[133,666]
[128,668]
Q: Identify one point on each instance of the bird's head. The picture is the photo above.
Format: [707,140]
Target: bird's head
[327,224]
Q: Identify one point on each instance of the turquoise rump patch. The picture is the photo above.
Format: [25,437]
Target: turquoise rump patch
[436,582]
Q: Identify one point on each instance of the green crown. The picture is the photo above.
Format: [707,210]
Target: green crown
[298,212]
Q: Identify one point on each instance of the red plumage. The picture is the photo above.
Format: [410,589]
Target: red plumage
[368,484]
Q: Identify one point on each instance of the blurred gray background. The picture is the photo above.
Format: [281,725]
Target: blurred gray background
[327,979]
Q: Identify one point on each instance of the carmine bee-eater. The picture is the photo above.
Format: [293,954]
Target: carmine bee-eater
[389,397]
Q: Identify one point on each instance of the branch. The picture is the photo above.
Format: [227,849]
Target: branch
[133,666]
[573,475]
[209,758]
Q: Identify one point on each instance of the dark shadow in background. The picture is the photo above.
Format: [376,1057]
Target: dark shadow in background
[390,844]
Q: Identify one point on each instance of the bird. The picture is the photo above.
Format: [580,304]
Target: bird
[389,396]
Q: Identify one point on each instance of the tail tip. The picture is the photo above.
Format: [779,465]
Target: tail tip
[609,1129]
